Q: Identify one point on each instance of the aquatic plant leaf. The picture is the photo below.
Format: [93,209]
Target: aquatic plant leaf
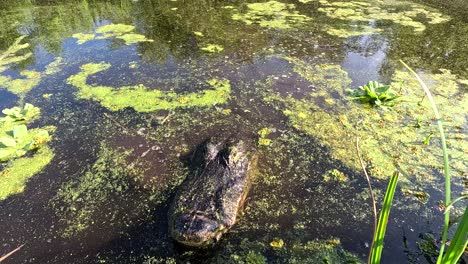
[459,242]
[381,228]
[8,142]
[5,153]
[374,93]
[20,131]
[15,114]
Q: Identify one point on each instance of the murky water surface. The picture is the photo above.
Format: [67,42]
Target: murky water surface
[127,90]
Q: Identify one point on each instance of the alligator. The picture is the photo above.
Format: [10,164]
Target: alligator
[209,201]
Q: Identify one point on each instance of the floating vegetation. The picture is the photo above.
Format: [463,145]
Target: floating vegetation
[17,172]
[30,78]
[16,140]
[369,12]
[271,14]
[212,48]
[118,31]
[143,99]
[16,114]
[352,31]
[420,196]
[314,251]
[374,93]
[78,200]
[262,137]
[335,176]
[54,67]
[403,149]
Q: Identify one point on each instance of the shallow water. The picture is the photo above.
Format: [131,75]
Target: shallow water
[119,158]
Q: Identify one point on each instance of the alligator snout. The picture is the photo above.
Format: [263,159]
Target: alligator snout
[196,229]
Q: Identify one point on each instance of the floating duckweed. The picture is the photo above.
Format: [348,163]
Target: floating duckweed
[263,133]
[357,11]
[79,199]
[327,78]
[115,29]
[277,243]
[17,172]
[54,67]
[22,86]
[213,48]
[15,142]
[420,196]
[143,99]
[29,79]
[353,31]
[335,176]
[272,14]
[83,37]
[338,127]
[119,31]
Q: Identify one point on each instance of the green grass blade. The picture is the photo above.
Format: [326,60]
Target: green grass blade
[458,243]
[448,198]
[376,250]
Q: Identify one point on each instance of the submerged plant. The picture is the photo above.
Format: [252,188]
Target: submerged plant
[374,93]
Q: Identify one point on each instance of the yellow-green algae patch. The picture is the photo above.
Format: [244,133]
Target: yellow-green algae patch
[271,14]
[14,176]
[119,31]
[212,48]
[29,78]
[389,138]
[82,197]
[398,12]
[143,99]
[15,142]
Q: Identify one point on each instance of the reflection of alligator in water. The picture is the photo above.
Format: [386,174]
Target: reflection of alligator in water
[210,199]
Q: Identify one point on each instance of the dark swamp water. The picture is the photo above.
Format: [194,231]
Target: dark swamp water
[128,89]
